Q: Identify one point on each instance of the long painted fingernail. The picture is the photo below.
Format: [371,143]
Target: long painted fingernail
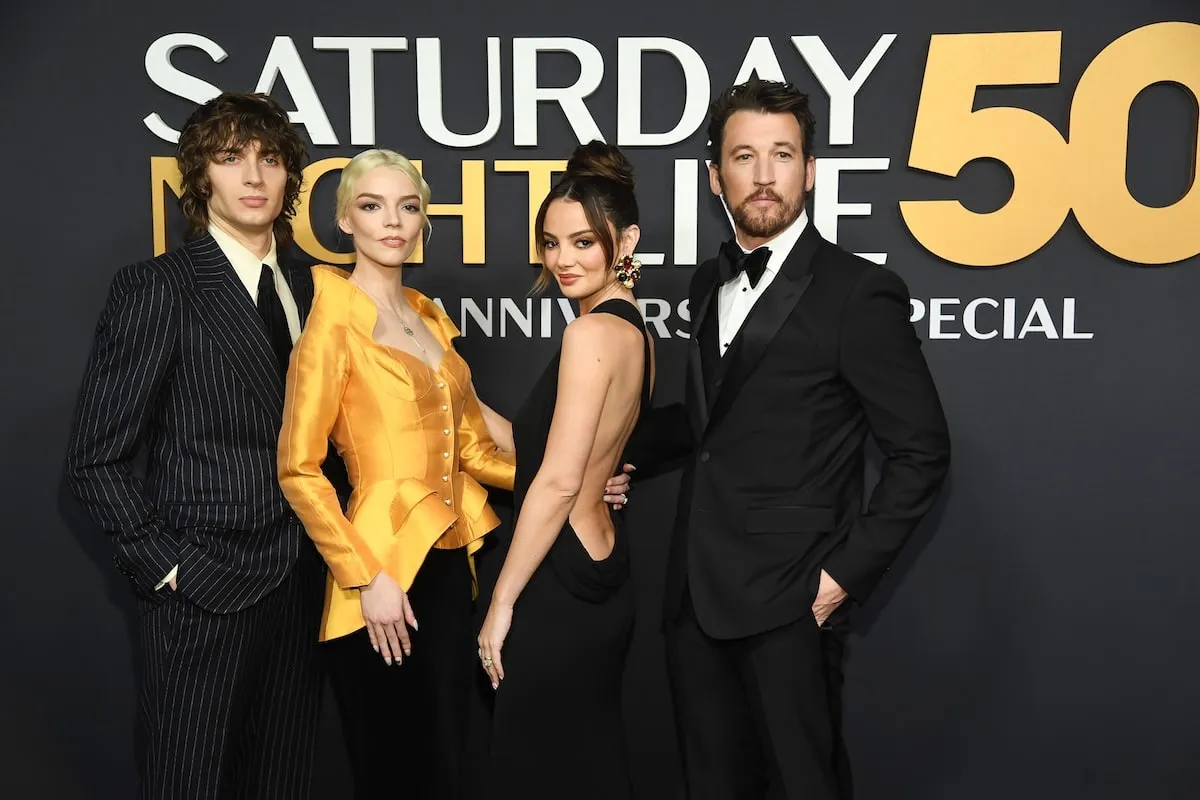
[416,627]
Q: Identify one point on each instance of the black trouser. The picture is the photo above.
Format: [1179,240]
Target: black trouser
[759,717]
[405,725]
[229,702]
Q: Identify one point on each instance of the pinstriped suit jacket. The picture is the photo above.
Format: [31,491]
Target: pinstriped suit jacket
[181,366]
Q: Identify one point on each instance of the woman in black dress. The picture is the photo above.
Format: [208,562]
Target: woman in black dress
[558,628]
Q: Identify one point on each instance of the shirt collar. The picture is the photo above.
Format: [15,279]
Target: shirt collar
[247,266]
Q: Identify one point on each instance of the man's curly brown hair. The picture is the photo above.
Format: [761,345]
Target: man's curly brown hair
[228,123]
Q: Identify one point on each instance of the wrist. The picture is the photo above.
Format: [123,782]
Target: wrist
[502,598]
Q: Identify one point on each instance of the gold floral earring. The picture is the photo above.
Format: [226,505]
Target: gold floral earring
[629,271]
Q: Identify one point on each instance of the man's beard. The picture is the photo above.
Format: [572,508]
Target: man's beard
[769,222]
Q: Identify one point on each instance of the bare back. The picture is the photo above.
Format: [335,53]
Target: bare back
[630,383]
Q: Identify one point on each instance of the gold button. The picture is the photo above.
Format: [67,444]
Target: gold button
[441,385]
[445,454]
[446,431]
[445,479]
[448,501]
[445,408]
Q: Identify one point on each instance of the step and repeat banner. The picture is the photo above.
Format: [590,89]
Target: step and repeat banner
[1028,168]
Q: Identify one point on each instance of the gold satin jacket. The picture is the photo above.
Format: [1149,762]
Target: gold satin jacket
[414,442]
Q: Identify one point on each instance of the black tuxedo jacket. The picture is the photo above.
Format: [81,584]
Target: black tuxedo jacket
[772,437]
[181,366]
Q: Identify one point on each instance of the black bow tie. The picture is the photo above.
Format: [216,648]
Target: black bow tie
[733,260]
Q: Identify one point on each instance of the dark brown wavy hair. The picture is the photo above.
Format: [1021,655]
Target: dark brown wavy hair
[599,178]
[229,122]
[763,97]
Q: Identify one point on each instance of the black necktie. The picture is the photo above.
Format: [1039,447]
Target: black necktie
[274,320]
[732,261]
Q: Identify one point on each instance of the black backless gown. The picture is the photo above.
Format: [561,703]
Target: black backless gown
[557,729]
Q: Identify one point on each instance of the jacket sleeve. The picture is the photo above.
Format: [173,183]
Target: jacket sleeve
[881,358]
[316,380]
[131,359]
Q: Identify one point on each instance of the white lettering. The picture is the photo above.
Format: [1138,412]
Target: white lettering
[510,310]
[656,319]
[687,206]
[170,78]
[361,59]
[482,318]
[936,318]
[629,91]
[283,63]
[547,310]
[828,208]
[841,90]
[685,314]
[916,310]
[665,320]
[969,322]
[1069,331]
[527,93]
[568,313]
[760,60]
[431,108]
[1038,321]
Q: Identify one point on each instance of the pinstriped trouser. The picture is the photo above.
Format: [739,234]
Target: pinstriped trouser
[230,702]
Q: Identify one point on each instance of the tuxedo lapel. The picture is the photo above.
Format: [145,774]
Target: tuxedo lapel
[764,321]
[698,307]
[228,314]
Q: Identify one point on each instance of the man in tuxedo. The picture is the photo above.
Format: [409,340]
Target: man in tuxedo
[798,351]
[188,363]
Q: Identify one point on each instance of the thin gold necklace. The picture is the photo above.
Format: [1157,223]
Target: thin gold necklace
[403,322]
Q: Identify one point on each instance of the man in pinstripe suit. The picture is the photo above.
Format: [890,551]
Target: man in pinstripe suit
[188,363]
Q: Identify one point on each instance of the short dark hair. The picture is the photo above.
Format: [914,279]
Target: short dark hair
[764,97]
[599,178]
[231,121]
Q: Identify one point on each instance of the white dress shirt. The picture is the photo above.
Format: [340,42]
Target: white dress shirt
[248,268]
[736,298]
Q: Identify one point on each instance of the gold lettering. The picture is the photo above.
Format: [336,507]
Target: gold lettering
[471,210]
[949,135]
[164,173]
[1168,52]
[302,223]
[1050,176]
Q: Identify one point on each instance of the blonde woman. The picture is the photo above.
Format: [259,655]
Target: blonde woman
[375,373]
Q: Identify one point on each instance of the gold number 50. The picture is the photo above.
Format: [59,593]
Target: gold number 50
[1051,177]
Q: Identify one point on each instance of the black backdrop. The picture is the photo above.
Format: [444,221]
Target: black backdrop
[1038,639]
